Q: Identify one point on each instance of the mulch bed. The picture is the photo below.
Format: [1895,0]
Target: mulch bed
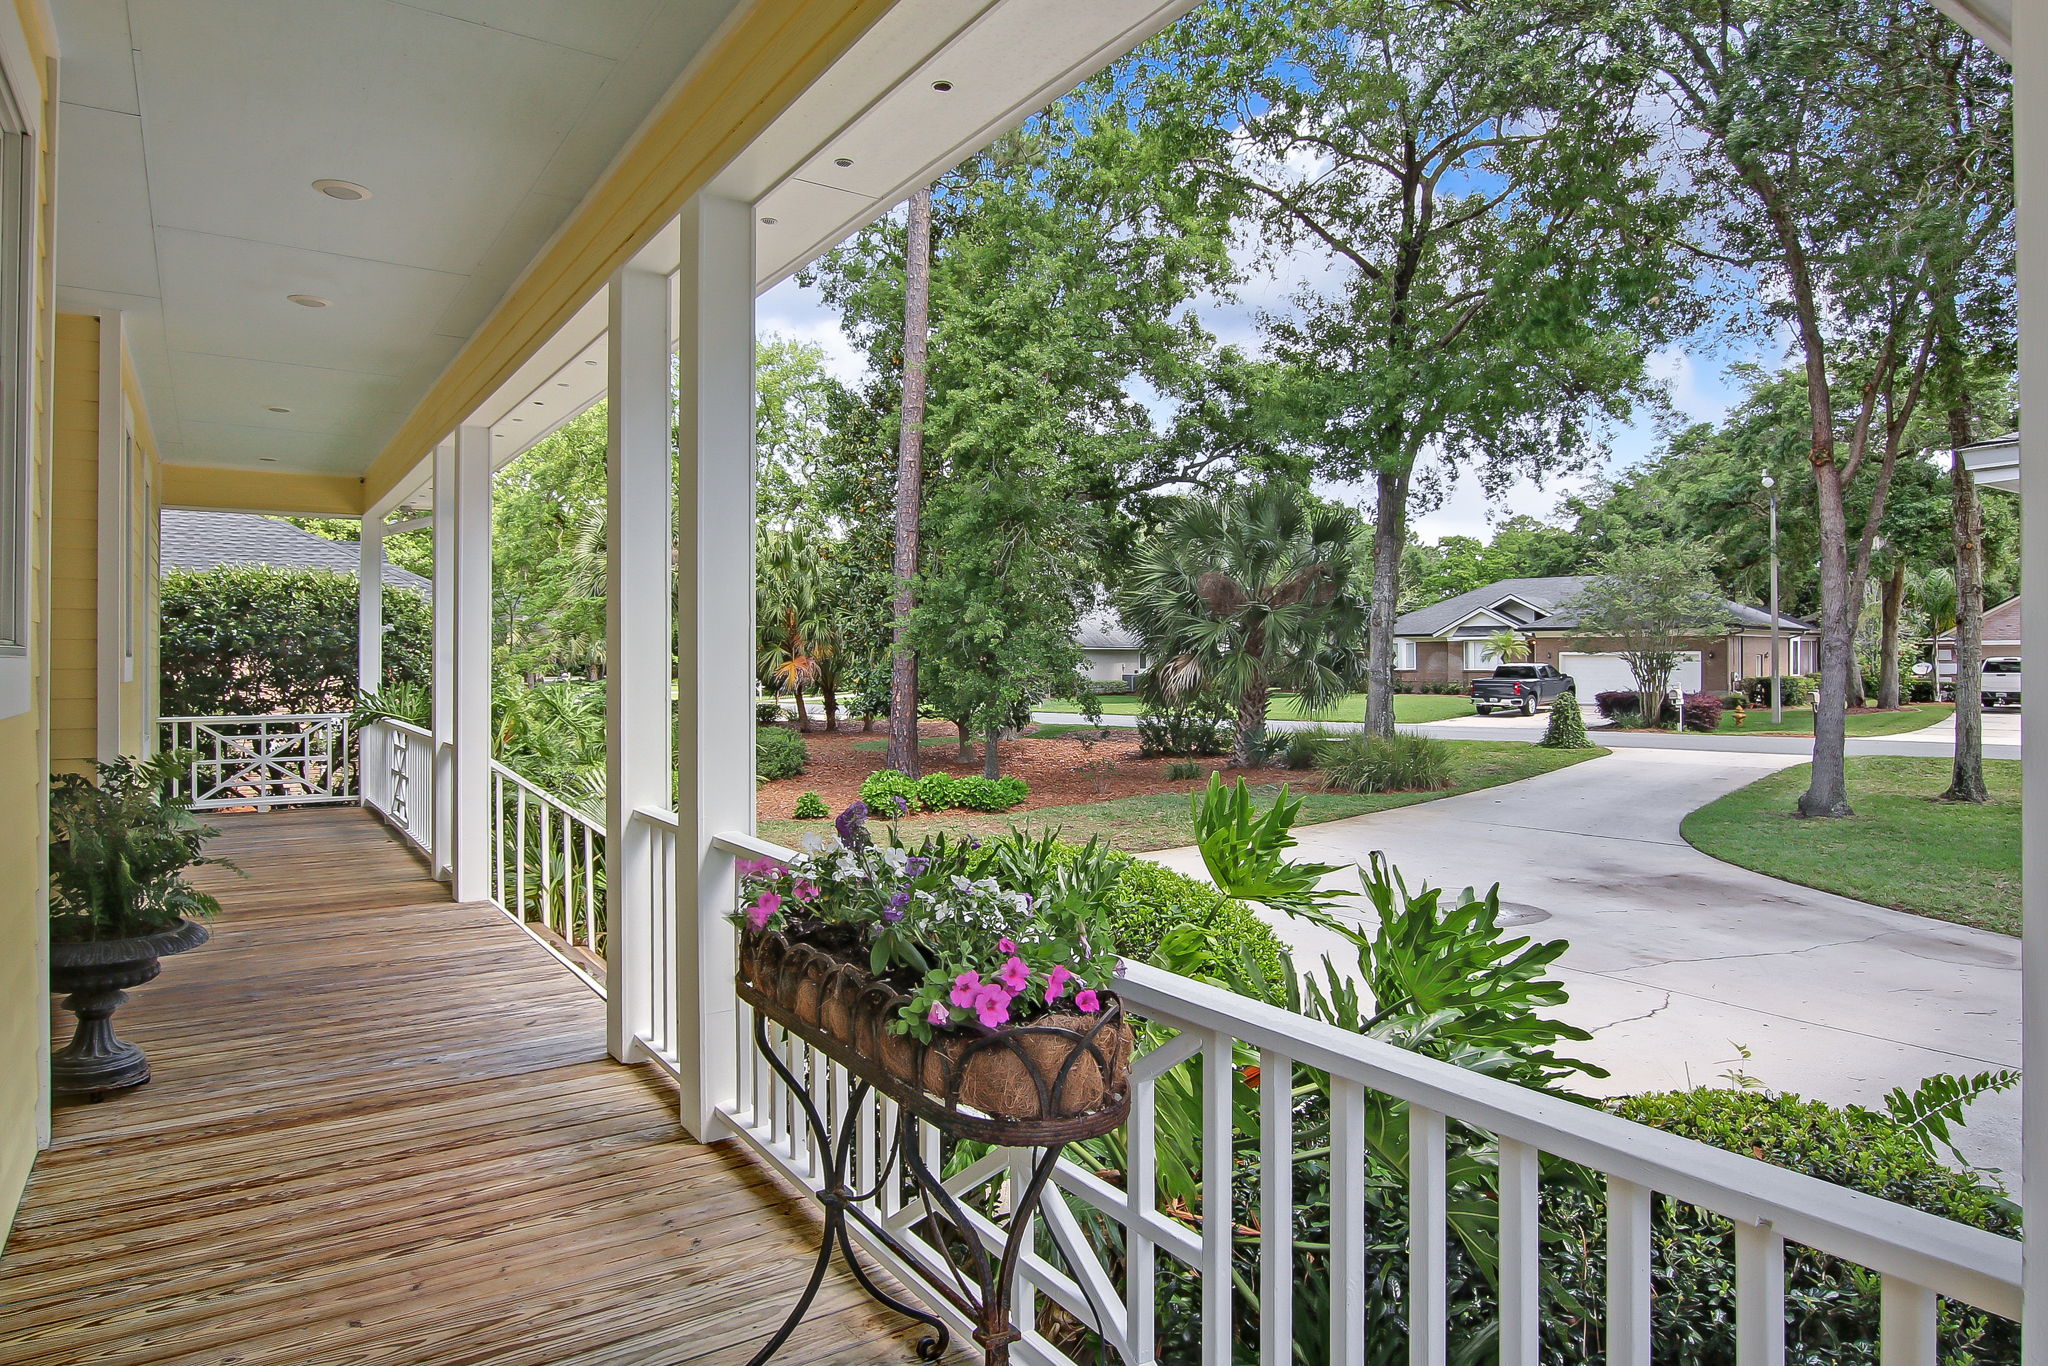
[1058,770]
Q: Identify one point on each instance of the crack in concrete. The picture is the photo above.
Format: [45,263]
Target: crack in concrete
[1631,1019]
[1731,957]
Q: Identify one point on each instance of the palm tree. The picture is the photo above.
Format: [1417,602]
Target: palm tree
[1245,592]
[799,638]
[1507,645]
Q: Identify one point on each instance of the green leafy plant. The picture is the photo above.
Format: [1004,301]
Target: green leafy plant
[937,792]
[1181,770]
[1567,728]
[1245,850]
[810,807]
[1174,732]
[990,794]
[118,847]
[1304,748]
[412,703]
[889,792]
[778,753]
[1389,763]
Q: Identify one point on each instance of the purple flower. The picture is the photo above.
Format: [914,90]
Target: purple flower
[939,1014]
[964,988]
[894,912]
[1056,982]
[852,826]
[902,806]
[1006,945]
[1015,975]
[763,910]
[973,843]
[1086,1001]
[991,1005]
[916,864]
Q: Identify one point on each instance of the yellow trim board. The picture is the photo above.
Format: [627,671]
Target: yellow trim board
[767,55]
[275,491]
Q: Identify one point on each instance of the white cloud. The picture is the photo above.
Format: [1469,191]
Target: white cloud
[790,310]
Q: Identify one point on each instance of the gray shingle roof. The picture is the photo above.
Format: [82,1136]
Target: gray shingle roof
[1552,597]
[208,540]
[1102,630]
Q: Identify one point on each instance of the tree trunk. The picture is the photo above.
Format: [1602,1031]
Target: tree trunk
[1888,648]
[830,693]
[803,717]
[1966,781]
[1389,538]
[867,723]
[1828,792]
[1251,725]
[991,755]
[917,286]
[965,752]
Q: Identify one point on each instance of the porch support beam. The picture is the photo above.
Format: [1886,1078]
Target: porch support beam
[2030,98]
[639,666]
[370,607]
[715,656]
[470,760]
[443,679]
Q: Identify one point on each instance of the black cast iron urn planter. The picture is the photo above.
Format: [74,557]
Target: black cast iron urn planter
[95,974]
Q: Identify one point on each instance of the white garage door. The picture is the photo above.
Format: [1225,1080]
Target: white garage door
[1610,673]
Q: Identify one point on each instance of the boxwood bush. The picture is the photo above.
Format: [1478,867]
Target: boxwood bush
[940,792]
[778,753]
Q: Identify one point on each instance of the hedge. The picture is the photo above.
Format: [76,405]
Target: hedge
[884,788]
[778,753]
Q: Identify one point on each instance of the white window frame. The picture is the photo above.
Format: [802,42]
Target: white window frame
[1476,654]
[18,219]
[1404,654]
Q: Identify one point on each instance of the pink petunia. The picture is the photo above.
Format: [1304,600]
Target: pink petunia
[1056,982]
[804,891]
[1086,1001]
[992,1005]
[763,909]
[938,1014]
[1008,946]
[1015,974]
[964,988]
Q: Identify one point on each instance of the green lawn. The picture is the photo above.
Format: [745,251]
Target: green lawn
[1799,720]
[1160,820]
[1901,849]
[1409,708]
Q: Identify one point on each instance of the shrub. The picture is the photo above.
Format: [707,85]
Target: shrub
[1701,711]
[1920,690]
[1396,763]
[246,640]
[810,807]
[778,753]
[1147,900]
[1301,749]
[1181,769]
[1178,732]
[1797,690]
[990,794]
[767,713]
[882,789]
[1567,729]
[1626,702]
[936,792]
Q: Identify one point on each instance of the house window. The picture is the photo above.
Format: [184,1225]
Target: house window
[1478,655]
[17,503]
[1404,654]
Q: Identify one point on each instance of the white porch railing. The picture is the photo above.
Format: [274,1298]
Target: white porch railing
[396,778]
[547,871]
[262,761]
[1107,1240]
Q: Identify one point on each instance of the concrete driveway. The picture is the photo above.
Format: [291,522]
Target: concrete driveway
[1677,959]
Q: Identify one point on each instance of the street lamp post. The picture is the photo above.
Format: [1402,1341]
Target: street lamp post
[1777,674]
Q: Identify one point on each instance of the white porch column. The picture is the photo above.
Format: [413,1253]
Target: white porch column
[715,611]
[443,682]
[2030,92]
[370,607]
[639,669]
[470,814]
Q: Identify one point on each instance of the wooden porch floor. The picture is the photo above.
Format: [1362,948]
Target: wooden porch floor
[383,1130]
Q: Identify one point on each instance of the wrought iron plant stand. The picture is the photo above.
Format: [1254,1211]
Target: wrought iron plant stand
[1040,1086]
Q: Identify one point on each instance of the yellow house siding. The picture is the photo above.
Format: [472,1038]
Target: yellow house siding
[25,738]
[74,580]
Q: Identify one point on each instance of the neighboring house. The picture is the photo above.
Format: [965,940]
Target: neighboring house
[1114,654]
[1447,641]
[2001,638]
[208,540]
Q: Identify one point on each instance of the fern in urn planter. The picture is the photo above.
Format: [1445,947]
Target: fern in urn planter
[119,903]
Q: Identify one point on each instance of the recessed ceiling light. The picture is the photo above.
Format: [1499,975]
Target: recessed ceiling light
[590,362]
[499,435]
[942,86]
[519,419]
[341,189]
[842,161]
[275,409]
[561,384]
[769,221]
[309,300]
[268,459]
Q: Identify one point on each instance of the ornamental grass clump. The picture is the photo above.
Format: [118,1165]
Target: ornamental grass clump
[1024,939]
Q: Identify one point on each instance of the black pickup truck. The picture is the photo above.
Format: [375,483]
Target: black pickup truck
[1519,687]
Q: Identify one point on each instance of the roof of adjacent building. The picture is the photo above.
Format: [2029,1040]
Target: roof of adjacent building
[2001,623]
[209,540]
[1542,604]
[1102,629]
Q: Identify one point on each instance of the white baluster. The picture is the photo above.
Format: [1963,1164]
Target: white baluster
[1628,1273]
[1428,1224]
[1906,1324]
[1759,1296]
[1276,1206]
[1347,1222]
[1520,1248]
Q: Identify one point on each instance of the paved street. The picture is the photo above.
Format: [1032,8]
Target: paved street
[1676,958]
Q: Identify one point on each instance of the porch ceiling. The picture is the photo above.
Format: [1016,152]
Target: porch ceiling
[193,130]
